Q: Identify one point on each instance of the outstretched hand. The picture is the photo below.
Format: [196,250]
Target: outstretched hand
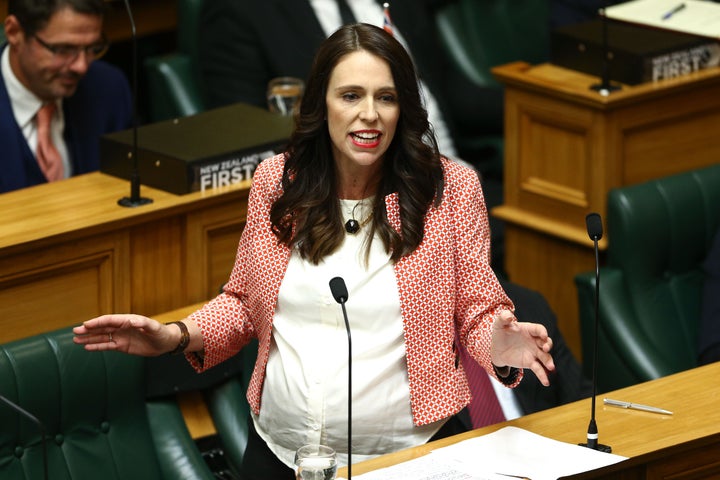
[133,334]
[522,345]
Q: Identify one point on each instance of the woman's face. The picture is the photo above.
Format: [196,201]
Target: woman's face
[362,111]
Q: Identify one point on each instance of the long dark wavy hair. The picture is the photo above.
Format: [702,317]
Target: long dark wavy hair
[307,215]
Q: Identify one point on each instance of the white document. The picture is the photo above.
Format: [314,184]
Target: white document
[696,17]
[501,455]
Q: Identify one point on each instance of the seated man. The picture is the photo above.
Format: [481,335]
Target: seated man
[55,99]
[709,334]
[567,383]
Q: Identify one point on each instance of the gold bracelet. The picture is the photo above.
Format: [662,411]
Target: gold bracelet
[184,338]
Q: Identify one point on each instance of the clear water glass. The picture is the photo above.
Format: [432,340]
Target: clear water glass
[315,462]
[284,94]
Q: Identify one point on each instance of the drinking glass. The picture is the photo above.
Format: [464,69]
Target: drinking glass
[315,462]
[284,94]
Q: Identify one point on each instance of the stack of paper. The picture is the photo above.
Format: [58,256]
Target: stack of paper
[508,453]
[696,17]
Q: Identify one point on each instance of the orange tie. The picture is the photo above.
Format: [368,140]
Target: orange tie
[47,154]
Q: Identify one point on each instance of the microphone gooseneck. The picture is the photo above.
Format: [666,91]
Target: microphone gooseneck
[37,422]
[134,200]
[340,294]
[593,222]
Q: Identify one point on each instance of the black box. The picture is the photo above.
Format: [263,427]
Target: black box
[636,53]
[211,149]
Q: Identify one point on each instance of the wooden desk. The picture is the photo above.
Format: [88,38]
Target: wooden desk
[566,146]
[68,252]
[682,446]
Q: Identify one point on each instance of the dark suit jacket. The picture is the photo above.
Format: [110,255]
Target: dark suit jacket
[245,43]
[101,104]
[709,335]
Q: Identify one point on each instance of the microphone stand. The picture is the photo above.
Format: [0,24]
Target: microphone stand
[604,88]
[340,293]
[134,200]
[594,228]
[37,422]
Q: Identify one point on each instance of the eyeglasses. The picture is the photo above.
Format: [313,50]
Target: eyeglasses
[69,53]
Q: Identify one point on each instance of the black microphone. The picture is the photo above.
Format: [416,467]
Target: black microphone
[37,422]
[605,87]
[595,231]
[340,293]
[134,200]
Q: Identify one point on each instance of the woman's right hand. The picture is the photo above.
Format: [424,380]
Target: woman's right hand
[133,334]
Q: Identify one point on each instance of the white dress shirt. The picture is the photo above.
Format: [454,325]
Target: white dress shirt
[304,398]
[25,105]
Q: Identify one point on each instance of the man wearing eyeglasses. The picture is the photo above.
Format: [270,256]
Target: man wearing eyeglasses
[56,100]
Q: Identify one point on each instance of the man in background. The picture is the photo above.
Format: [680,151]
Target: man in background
[56,100]
[567,382]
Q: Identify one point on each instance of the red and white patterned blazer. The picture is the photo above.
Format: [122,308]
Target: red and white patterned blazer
[446,283]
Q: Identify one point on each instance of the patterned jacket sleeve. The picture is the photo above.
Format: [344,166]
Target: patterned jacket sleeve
[480,297]
[228,322]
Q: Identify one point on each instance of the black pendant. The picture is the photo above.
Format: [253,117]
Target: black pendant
[352,226]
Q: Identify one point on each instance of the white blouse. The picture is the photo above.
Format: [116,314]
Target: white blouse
[304,398]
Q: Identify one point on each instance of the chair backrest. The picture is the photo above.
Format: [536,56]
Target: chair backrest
[482,34]
[229,408]
[660,232]
[92,406]
[174,80]
[188,29]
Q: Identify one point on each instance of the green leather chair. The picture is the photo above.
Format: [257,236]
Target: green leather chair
[481,34]
[173,80]
[659,233]
[97,421]
[229,410]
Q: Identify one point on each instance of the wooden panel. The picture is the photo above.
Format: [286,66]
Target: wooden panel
[693,465]
[141,260]
[63,286]
[158,283]
[555,155]
[213,237]
[566,146]
[549,266]
[665,147]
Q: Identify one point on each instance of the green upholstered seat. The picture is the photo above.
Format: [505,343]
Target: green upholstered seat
[650,287]
[97,421]
[477,36]
[229,409]
[173,80]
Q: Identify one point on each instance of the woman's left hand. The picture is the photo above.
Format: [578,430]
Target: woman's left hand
[521,345]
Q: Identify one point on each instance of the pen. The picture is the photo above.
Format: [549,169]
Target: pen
[673,11]
[636,406]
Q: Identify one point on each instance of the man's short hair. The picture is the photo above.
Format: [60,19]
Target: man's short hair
[33,15]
